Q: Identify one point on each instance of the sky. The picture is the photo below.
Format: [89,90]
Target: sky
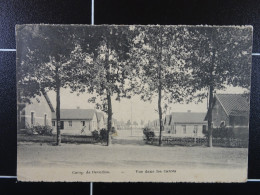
[133,108]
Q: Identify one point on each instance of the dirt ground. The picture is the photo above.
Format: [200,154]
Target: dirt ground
[123,153]
[127,153]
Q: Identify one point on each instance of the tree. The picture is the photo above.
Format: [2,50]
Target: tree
[220,56]
[43,56]
[107,72]
[160,54]
[128,123]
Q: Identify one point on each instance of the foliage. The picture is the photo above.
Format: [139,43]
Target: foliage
[148,133]
[219,57]
[107,71]
[221,132]
[113,62]
[113,131]
[160,54]
[40,52]
[44,61]
[103,134]
[39,130]
[95,135]
[128,123]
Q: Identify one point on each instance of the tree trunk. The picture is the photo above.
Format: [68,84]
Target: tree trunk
[160,114]
[109,118]
[160,90]
[210,128]
[58,107]
[18,110]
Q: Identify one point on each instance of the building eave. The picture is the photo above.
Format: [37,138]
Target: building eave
[221,105]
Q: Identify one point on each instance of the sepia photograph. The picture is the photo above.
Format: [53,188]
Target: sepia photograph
[133,103]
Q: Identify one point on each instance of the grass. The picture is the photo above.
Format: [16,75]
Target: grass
[52,138]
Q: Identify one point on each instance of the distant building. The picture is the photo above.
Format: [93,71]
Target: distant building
[77,121]
[154,125]
[231,110]
[185,124]
[37,112]
[114,123]
[121,125]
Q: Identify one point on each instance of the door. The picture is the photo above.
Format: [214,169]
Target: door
[22,120]
[61,125]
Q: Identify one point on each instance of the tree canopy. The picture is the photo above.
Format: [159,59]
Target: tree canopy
[172,63]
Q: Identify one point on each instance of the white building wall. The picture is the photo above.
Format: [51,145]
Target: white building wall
[177,130]
[39,107]
[101,124]
[76,128]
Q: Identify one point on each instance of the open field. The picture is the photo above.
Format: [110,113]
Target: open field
[121,155]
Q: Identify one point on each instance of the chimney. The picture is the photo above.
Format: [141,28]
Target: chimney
[78,107]
[188,110]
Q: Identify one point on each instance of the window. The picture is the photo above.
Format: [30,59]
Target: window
[83,123]
[184,129]
[61,125]
[32,118]
[70,123]
[204,129]
[45,119]
[222,124]
[195,130]
[53,123]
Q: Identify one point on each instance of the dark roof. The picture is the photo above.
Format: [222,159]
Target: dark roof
[188,117]
[233,104]
[84,114]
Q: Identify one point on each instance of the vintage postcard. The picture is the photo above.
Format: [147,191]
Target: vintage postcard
[111,103]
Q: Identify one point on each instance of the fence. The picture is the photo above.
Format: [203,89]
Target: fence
[192,141]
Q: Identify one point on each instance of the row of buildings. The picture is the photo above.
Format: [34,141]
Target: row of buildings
[228,110]
[184,124]
[72,121]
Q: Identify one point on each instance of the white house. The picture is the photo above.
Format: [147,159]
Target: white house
[185,124]
[76,121]
[37,112]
